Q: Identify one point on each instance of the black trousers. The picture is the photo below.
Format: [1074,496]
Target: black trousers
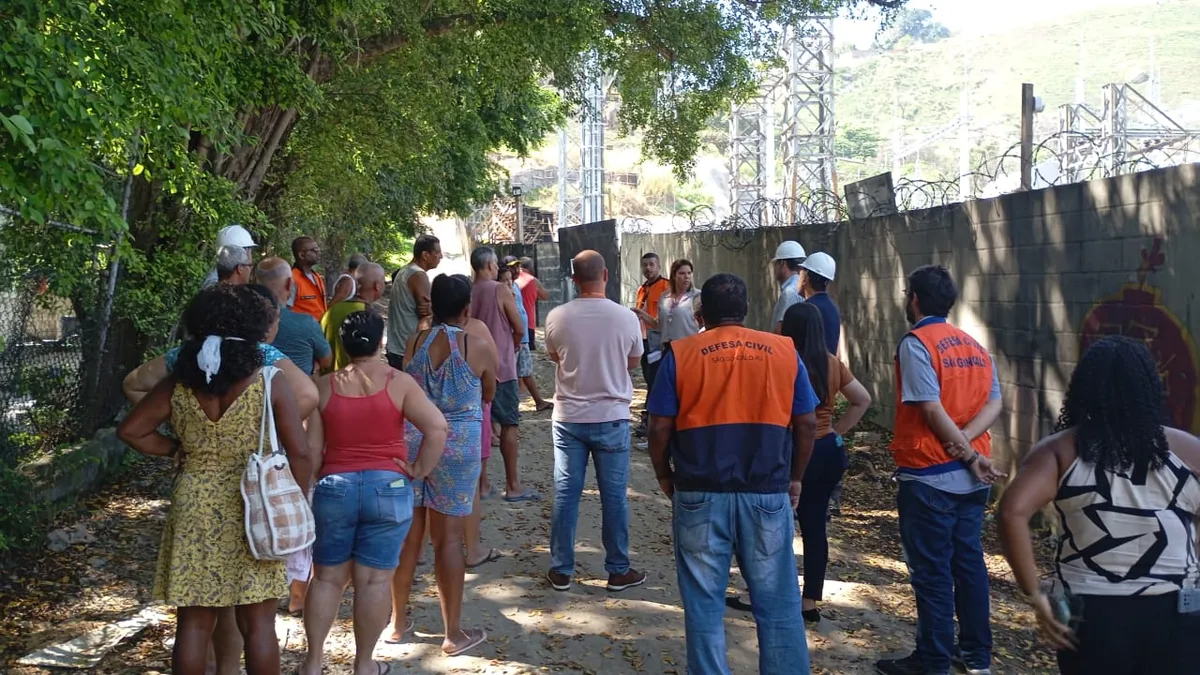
[1133,635]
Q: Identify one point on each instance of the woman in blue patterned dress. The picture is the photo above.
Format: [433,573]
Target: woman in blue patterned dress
[458,373]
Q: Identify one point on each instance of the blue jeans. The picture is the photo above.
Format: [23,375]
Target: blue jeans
[710,528]
[941,535]
[824,470]
[364,515]
[608,445]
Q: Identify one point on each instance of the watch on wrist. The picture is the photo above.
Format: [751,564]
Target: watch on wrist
[972,460]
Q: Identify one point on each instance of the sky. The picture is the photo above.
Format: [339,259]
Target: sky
[970,16]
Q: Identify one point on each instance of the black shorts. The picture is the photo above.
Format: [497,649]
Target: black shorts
[396,361]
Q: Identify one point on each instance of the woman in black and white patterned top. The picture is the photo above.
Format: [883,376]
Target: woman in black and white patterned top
[1126,491]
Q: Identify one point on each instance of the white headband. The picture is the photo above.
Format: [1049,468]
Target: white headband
[209,356]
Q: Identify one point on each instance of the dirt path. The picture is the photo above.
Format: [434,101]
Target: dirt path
[49,597]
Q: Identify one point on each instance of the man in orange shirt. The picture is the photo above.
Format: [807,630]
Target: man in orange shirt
[646,308]
[947,395]
[310,287]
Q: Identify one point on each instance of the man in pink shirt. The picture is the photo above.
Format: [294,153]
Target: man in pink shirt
[594,342]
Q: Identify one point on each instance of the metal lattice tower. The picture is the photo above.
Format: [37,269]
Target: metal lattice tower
[751,149]
[1129,132]
[808,122]
[581,194]
[570,200]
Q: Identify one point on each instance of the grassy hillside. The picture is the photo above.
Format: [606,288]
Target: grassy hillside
[915,89]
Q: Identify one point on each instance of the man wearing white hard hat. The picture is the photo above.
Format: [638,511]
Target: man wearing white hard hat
[819,269]
[786,265]
[231,235]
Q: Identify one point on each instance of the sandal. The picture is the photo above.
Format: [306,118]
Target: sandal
[475,637]
[527,496]
[407,629]
[493,554]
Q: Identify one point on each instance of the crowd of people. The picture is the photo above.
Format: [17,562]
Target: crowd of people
[388,425]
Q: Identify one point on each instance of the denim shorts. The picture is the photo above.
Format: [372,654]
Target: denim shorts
[506,405]
[364,516]
[524,362]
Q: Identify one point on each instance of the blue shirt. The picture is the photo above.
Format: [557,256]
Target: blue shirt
[831,319]
[919,384]
[301,339]
[789,294]
[524,315]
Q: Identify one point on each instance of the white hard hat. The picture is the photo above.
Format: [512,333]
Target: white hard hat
[820,263]
[789,250]
[235,235]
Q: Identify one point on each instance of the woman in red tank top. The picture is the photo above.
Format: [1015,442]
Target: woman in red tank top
[363,501]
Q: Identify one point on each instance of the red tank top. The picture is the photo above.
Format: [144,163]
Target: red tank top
[528,285]
[362,433]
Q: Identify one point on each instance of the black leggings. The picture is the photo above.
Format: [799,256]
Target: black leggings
[824,470]
[1134,635]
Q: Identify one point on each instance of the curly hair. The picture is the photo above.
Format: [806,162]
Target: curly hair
[1117,404]
[229,312]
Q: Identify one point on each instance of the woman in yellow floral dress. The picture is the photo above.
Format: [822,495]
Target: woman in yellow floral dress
[214,400]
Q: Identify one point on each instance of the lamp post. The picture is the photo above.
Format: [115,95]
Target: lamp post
[516,194]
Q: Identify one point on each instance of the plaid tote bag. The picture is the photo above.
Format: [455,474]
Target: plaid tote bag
[279,520]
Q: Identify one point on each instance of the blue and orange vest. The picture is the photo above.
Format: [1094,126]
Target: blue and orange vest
[735,387]
[964,372]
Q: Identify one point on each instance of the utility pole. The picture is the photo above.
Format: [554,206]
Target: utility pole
[1028,105]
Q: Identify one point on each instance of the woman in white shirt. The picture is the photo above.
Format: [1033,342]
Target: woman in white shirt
[676,318]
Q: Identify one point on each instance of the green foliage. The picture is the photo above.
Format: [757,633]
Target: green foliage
[53,415]
[914,92]
[915,25]
[856,143]
[380,110]
[21,513]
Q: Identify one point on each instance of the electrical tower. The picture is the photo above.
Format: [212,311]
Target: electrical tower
[581,193]
[751,131]
[808,122]
[1130,133]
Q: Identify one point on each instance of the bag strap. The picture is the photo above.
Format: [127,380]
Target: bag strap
[267,424]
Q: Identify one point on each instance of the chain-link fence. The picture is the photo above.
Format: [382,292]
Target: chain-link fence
[41,367]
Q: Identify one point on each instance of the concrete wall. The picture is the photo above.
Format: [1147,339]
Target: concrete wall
[1040,274]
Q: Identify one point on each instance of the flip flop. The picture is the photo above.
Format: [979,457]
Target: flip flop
[407,629]
[528,496]
[384,668]
[491,491]
[493,554]
[476,635]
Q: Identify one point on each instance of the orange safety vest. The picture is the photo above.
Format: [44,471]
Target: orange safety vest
[735,388]
[964,373]
[310,295]
[648,295]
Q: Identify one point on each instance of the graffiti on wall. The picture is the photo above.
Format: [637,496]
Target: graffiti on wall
[1137,311]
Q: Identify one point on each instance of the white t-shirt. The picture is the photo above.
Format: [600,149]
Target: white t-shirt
[594,339]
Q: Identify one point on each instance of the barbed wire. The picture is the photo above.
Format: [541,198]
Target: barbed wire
[1060,159]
